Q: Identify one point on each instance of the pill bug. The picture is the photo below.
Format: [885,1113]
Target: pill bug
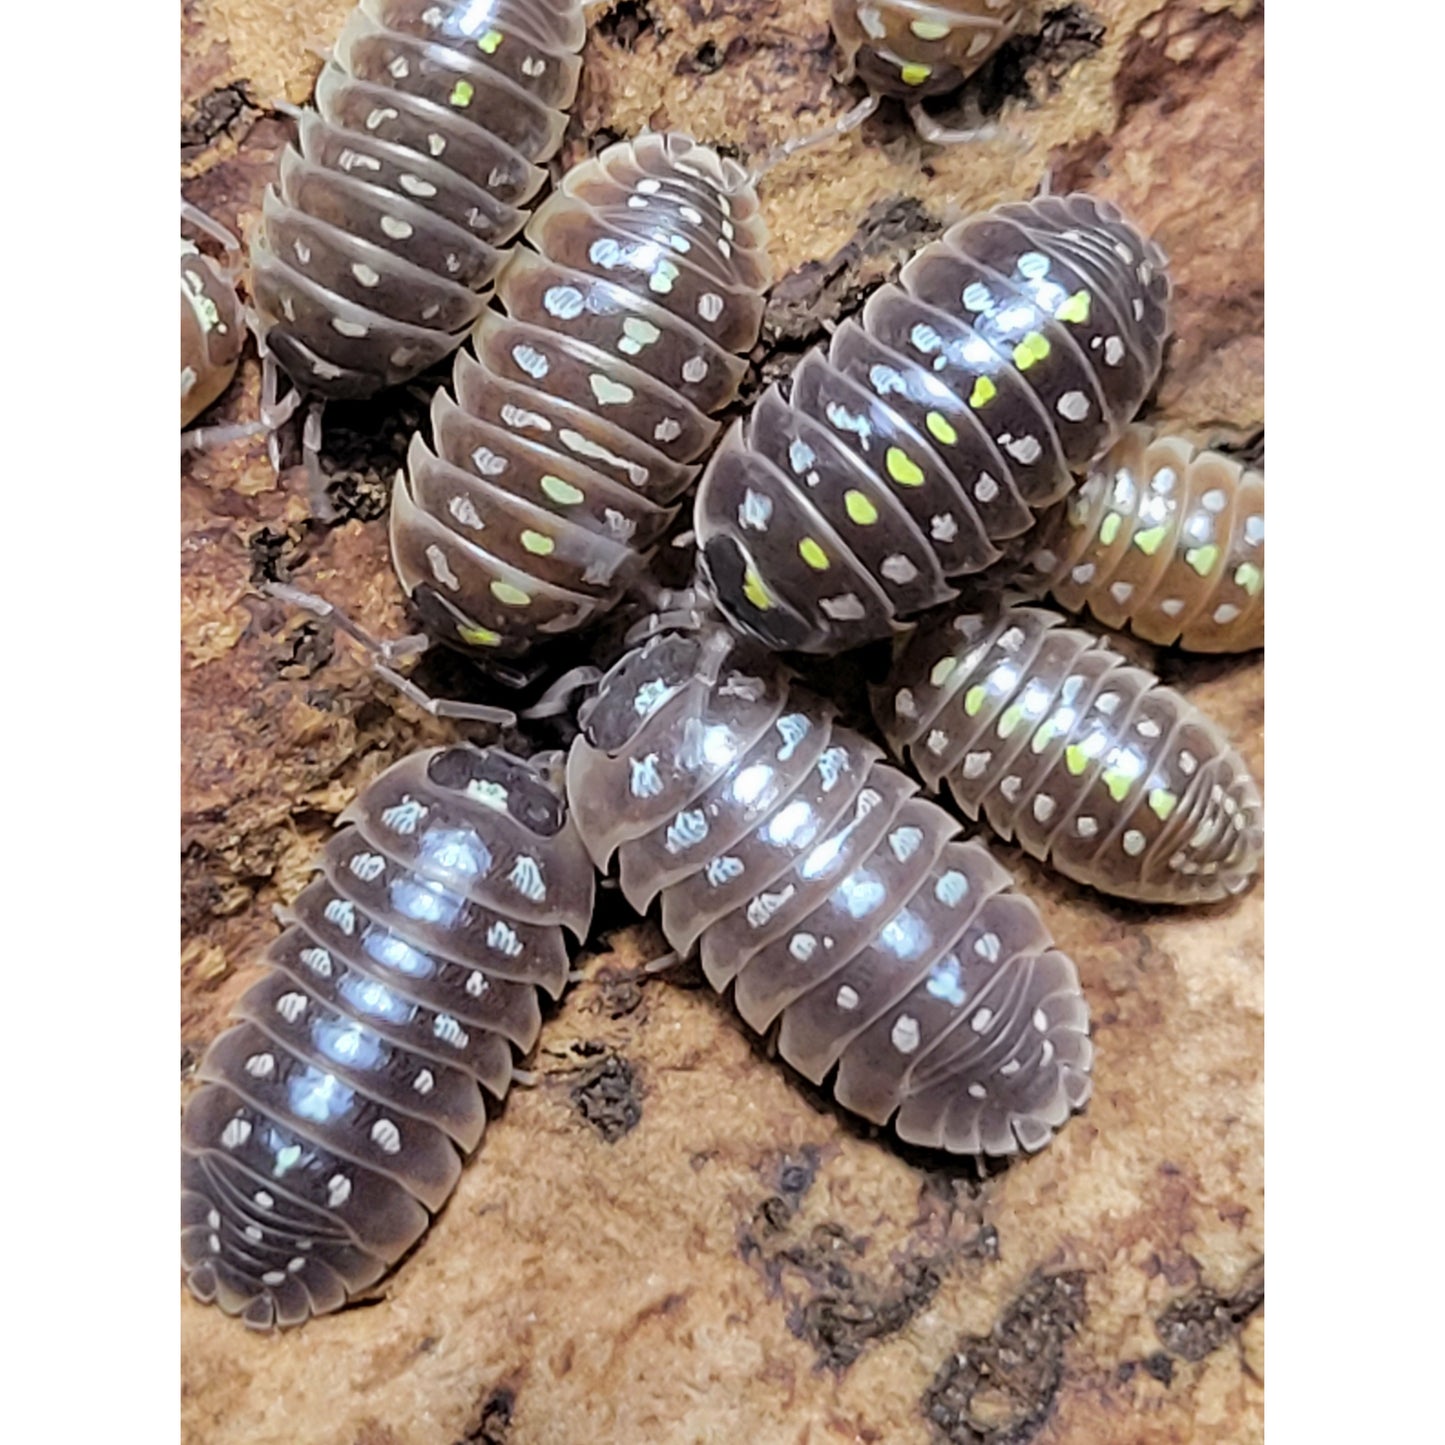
[413,171]
[578,419]
[1009,354]
[334,1116]
[912,49]
[829,898]
[213,331]
[1165,540]
[1089,763]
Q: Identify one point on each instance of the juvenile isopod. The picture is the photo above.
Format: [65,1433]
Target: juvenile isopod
[334,1117]
[1090,763]
[578,421]
[1165,540]
[833,902]
[917,48]
[1009,355]
[413,173]
[213,326]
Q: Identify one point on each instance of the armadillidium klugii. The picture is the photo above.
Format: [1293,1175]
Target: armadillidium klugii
[1090,763]
[373,257]
[915,48]
[1164,540]
[828,897]
[576,423]
[1009,355]
[213,331]
[333,1118]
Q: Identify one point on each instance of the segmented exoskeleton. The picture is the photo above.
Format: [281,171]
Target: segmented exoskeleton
[213,331]
[334,1116]
[415,168]
[1089,762]
[577,421]
[1165,540]
[915,48]
[1010,354]
[832,900]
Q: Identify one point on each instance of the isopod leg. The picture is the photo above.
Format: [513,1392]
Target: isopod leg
[214,229]
[936,133]
[850,120]
[321,507]
[203,438]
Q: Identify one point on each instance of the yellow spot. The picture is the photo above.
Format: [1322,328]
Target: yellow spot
[1012,717]
[462,94]
[1031,349]
[478,636]
[1075,309]
[929,29]
[813,554]
[903,469]
[754,590]
[914,74]
[538,543]
[1075,758]
[1202,559]
[1148,542]
[859,508]
[1250,578]
[490,41]
[562,492]
[512,596]
[984,392]
[1163,803]
[938,425]
[1047,731]
[973,700]
[942,670]
[1110,529]
[1117,783]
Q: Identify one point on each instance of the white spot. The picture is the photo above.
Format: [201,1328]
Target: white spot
[898,569]
[981,1020]
[687,830]
[368,866]
[424,1082]
[395,227]
[348,328]
[1024,449]
[905,842]
[943,527]
[793,728]
[723,869]
[441,568]
[1121,592]
[802,946]
[1084,573]
[503,938]
[1086,827]
[951,888]
[1254,530]
[1134,842]
[1010,787]
[563,301]
[832,764]
[1172,606]
[1044,807]
[1010,1068]
[1146,727]
[645,782]
[988,947]
[261,1066]
[531,361]
[449,1031]
[985,488]
[254,1233]
[709,306]
[977,297]
[765,905]
[1108,703]
[415,186]
[364,273]
[937,741]
[462,509]
[526,878]
[236,1132]
[521,418]
[317,960]
[1073,406]
[755,511]
[904,704]
[476,984]
[1225,612]
[694,369]
[338,1190]
[435,143]
[291,1006]
[1041,1021]
[905,1034]
[846,608]
[846,999]
[379,115]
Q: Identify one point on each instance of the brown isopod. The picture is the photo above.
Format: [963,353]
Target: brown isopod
[1164,540]
[213,325]
[334,1117]
[832,901]
[1090,763]
[578,422]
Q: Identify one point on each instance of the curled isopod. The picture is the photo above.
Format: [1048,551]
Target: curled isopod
[834,903]
[1165,540]
[1009,355]
[578,421]
[334,1117]
[1090,763]
[413,173]
[213,331]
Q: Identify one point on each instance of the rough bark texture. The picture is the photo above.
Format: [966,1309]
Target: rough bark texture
[671,1239]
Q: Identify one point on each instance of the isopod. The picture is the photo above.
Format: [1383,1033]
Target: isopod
[1009,355]
[829,898]
[1090,763]
[213,327]
[917,48]
[414,171]
[334,1116]
[577,423]
[1164,540]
